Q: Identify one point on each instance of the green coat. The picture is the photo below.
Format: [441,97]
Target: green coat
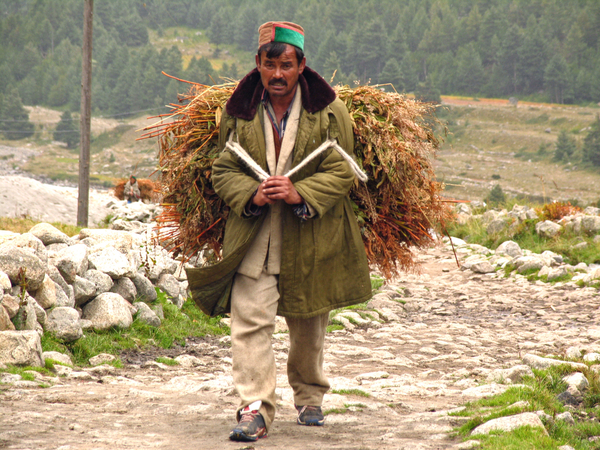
[323,261]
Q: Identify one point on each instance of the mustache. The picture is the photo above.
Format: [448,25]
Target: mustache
[278,82]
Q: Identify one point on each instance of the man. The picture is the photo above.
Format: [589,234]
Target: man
[293,243]
[131,192]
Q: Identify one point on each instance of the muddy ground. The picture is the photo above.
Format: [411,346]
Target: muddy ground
[437,335]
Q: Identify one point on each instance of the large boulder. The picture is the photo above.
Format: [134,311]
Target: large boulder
[46,294]
[72,261]
[102,281]
[146,315]
[5,323]
[83,290]
[21,348]
[120,240]
[29,242]
[64,323]
[125,288]
[15,260]
[49,234]
[509,423]
[108,310]
[547,229]
[169,285]
[590,224]
[10,304]
[146,291]
[111,262]
[510,248]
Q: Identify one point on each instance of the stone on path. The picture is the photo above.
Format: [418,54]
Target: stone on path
[537,362]
[510,423]
[49,234]
[58,357]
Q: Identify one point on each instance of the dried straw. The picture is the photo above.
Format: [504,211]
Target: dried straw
[394,143]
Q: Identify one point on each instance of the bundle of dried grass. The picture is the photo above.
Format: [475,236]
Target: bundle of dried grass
[394,143]
[149,190]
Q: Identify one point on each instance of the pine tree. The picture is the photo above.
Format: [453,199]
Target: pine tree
[391,73]
[469,71]
[591,144]
[67,130]
[15,118]
[565,147]
[556,77]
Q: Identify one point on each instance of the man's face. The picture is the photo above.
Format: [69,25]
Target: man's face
[280,75]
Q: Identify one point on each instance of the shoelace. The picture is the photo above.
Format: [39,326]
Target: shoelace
[248,416]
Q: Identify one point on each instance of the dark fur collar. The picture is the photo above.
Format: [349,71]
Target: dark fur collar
[316,94]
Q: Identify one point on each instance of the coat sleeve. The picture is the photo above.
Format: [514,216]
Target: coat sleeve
[334,177]
[229,179]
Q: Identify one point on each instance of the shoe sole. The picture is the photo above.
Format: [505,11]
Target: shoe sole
[312,423]
[243,437]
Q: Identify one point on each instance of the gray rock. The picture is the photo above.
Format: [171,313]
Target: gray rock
[591,357]
[590,224]
[59,358]
[483,267]
[125,288]
[11,305]
[40,313]
[570,397]
[557,273]
[72,261]
[566,417]
[102,281]
[510,423]
[591,211]
[84,290]
[509,248]
[169,285]
[146,291]
[577,380]
[108,310]
[132,226]
[63,299]
[547,229]
[158,310]
[28,241]
[102,358]
[537,362]
[46,294]
[26,318]
[21,348]
[496,226]
[5,283]
[5,323]
[49,234]
[55,275]
[13,258]
[146,315]
[112,262]
[120,240]
[526,263]
[63,322]
[513,375]
[565,447]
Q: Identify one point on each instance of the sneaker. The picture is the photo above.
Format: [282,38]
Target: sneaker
[310,415]
[251,426]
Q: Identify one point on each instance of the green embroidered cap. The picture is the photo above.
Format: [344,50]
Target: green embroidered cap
[286,32]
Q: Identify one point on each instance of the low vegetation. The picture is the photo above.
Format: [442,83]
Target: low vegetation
[538,393]
[176,327]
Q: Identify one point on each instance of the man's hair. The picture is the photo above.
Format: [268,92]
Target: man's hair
[275,49]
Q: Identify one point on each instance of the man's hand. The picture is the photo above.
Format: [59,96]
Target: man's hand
[276,188]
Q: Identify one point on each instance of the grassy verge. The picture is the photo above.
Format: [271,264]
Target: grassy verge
[524,234]
[538,393]
[175,328]
[24,224]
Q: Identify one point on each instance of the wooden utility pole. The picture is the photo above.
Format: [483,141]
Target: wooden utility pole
[86,116]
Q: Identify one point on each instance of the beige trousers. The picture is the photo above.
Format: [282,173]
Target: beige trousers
[253,312]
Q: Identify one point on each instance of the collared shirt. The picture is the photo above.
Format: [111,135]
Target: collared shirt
[278,127]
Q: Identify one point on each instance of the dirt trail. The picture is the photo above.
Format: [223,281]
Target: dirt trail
[443,332]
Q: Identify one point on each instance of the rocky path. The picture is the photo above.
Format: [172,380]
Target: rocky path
[437,338]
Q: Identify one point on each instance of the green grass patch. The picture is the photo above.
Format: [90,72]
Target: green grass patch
[335,411]
[167,361]
[24,224]
[540,393]
[175,328]
[27,376]
[357,392]
[376,282]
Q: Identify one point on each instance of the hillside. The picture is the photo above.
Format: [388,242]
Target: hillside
[491,142]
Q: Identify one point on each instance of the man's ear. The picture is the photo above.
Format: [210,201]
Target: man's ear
[257,59]
[302,65]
